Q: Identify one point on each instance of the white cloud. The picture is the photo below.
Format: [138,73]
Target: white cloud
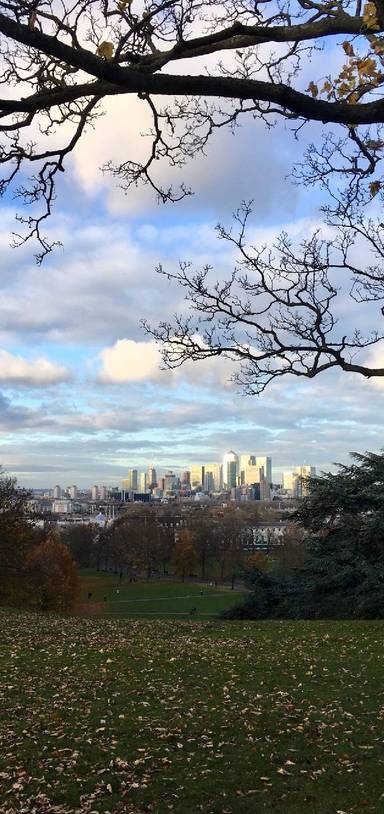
[129,361]
[38,372]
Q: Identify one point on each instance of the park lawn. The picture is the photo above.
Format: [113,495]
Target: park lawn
[216,717]
[154,598]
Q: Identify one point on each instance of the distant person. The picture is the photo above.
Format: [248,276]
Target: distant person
[193,612]
[117,591]
[89,595]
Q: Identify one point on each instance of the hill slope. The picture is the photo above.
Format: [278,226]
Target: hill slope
[137,716]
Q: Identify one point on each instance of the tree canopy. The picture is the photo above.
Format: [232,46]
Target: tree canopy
[215,63]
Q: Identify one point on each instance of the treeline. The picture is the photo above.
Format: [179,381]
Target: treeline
[36,567]
[204,542]
[342,574]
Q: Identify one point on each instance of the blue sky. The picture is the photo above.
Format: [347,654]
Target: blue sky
[82,397]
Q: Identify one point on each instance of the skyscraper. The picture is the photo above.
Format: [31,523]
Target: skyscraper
[151,477]
[212,477]
[142,482]
[197,476]
[265,462]
[230,469]
[130,483]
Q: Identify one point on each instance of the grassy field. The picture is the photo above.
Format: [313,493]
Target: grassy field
[156,598]
[222,718]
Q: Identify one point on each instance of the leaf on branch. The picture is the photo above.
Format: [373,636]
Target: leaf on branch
[348,49]
[370,19]
[374,188]
[122,5]
[106,50]
[313,89]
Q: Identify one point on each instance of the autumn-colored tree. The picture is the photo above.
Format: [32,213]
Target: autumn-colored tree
[18,536]
[232,532]
[51,576]
[257,560]
[184,556]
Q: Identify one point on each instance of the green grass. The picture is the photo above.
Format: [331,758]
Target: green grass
[221,718]
[156,598]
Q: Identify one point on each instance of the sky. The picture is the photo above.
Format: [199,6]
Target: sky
[82,395]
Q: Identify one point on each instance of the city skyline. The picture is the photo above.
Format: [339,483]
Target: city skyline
[139,478]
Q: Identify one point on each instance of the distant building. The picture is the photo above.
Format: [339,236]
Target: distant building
[142,482]
[266,462]
[73,492]
[295,483]
[170,482]
[186,478]
[230,470]
[197,476]
[57,492]
[131,481]
[62,506]
[103,492]
[94,492]
[212,477]
[151,477]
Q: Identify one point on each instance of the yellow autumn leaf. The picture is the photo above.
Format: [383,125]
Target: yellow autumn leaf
[106,50]
[313,89]
[370,17]
[374,188]
[122,5]
[348,49]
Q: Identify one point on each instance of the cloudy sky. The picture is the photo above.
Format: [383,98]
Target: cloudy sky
[82,394]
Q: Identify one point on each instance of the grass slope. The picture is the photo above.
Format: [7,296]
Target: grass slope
[156,598]
[223,718]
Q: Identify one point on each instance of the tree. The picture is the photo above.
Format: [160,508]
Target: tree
[51,576]
[231,532]
[81,542]
[62,62]
[205,538]
[343,574]
[184,556]
[291,551]
[18,536]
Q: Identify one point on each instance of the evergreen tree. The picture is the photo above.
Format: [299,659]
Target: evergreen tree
[343,575]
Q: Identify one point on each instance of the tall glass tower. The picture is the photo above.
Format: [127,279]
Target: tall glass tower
[230,469]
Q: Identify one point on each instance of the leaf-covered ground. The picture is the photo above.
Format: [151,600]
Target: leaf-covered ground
[158,716]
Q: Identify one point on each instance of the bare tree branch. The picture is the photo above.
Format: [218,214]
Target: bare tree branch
[276,314]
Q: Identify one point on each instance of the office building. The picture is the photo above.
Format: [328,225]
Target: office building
[212,477]
[197,476]
[151,477]
[130,483]
[230,469]
[265,462]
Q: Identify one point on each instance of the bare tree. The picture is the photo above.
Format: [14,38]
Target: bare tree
[276,315]
[60,61]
